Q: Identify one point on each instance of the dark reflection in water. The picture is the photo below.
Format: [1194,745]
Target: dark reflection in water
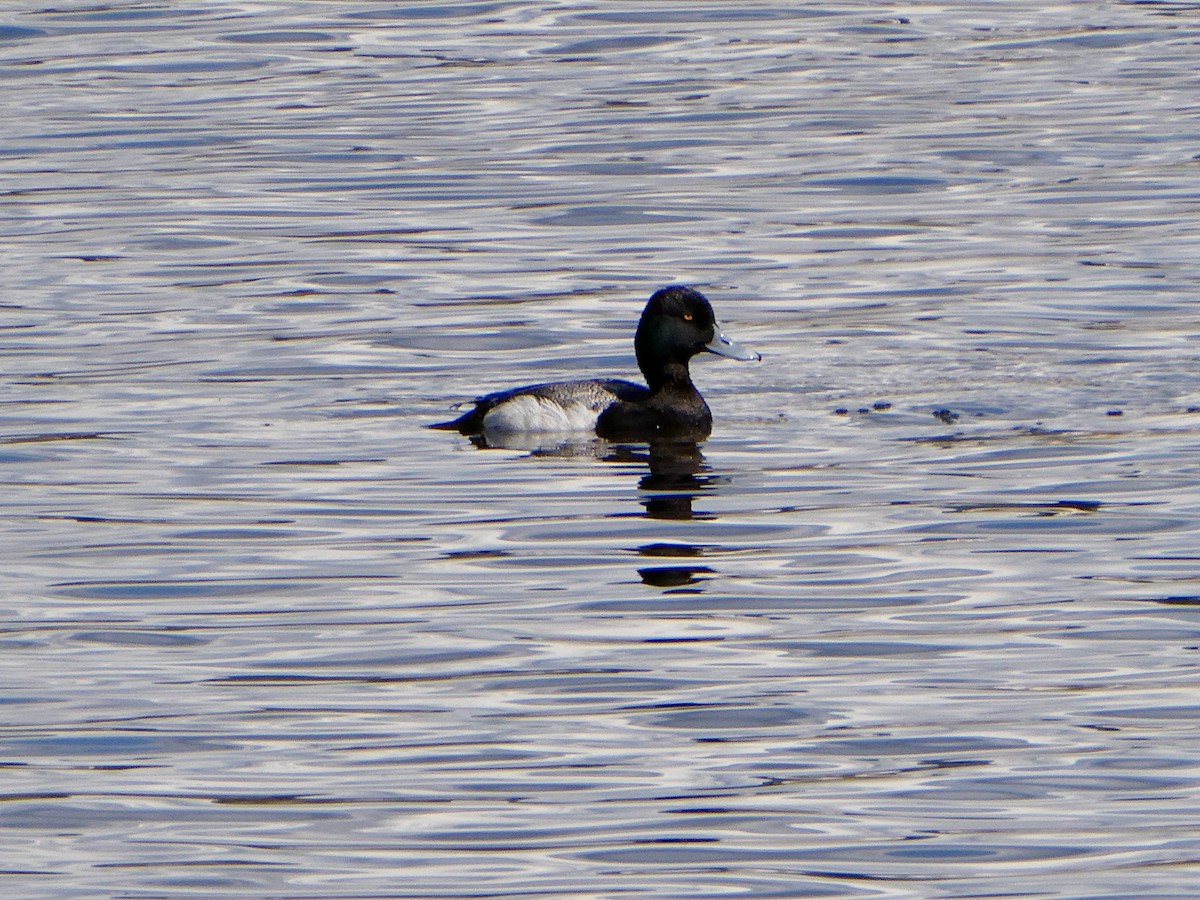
[678,471]
[674,482]
[678,474]
[675,477]
[674,576]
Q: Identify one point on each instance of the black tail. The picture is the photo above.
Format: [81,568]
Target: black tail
[470,422]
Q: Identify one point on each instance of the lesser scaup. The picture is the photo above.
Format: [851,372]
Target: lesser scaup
[677,324]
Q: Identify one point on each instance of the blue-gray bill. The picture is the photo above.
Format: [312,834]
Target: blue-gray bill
[723,346]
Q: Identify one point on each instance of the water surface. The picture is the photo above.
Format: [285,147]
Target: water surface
[921,618]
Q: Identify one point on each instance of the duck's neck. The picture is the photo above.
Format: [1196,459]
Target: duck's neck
[672,378]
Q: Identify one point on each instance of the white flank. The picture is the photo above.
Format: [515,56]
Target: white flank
[526,412]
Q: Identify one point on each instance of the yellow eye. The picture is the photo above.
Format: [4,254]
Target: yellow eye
[687,317]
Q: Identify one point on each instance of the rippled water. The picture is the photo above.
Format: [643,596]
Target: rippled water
[921,619]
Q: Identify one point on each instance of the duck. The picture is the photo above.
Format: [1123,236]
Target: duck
[677,324]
